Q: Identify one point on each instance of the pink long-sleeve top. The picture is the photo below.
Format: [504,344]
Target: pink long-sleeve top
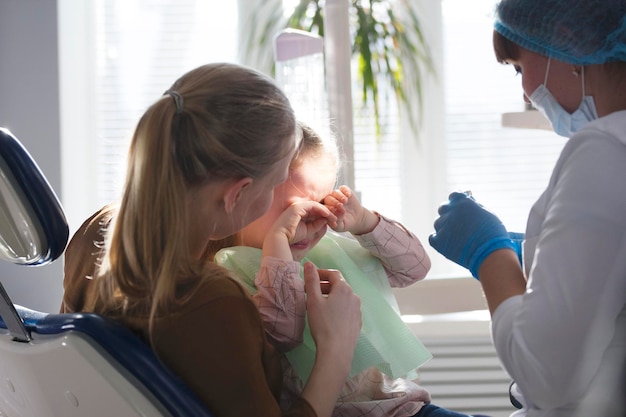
[280,298]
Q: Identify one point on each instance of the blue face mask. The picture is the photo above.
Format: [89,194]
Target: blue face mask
[563,122]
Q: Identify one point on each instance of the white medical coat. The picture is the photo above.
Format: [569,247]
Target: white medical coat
[567,334]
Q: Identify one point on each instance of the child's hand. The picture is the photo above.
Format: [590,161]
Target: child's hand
[351,215]
[301,221]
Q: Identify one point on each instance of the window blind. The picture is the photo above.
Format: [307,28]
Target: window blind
[505,168]
[141,48]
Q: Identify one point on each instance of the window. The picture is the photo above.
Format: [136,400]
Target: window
[117,58]
[141,48]
[505,168]
[131,51]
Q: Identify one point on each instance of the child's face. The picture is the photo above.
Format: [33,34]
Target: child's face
[312,180]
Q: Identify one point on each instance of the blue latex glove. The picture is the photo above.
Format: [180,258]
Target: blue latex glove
[466,232]
[518,239]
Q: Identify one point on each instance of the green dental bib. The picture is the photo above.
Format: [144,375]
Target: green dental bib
[385,341]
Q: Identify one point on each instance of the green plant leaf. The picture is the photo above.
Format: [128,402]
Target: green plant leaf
[383,43]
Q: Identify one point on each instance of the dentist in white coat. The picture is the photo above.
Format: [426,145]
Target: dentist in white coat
[559,320]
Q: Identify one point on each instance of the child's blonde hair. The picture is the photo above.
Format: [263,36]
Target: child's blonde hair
[313,144]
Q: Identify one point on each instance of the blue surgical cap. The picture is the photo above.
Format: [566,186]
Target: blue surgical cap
[579,32]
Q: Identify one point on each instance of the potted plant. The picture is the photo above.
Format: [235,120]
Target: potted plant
[387,41]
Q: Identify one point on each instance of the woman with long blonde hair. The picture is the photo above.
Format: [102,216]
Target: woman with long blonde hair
[203,163]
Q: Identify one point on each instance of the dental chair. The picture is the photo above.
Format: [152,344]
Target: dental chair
[67,365]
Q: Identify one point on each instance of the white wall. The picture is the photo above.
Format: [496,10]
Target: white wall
[29,107]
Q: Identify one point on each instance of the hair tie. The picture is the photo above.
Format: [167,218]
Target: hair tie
[178,100]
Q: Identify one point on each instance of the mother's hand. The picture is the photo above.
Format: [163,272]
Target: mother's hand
[334,314]
[335,323]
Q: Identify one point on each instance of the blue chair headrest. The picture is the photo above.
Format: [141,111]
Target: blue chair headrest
[24,182]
